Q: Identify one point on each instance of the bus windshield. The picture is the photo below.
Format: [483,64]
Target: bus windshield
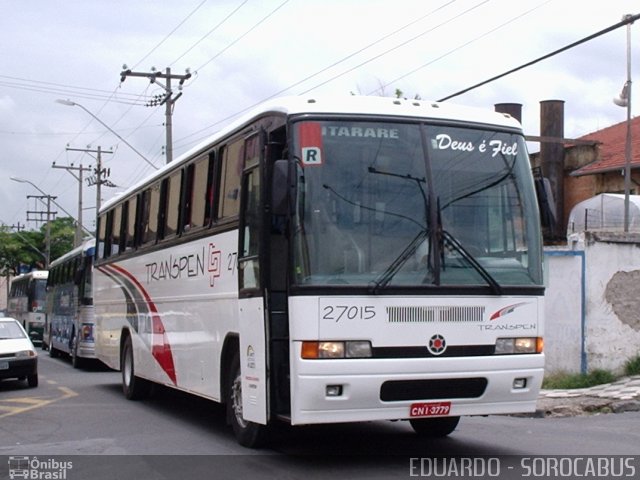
[384,204]
[39,295]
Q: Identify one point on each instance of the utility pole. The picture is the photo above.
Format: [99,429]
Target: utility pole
[78,236]
[167,99]
[99,173]
[39,219]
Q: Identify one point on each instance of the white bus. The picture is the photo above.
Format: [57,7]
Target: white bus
[70,319]
[27,302]
[332,260]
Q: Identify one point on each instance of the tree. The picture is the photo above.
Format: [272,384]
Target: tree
[27,248]
[62,236]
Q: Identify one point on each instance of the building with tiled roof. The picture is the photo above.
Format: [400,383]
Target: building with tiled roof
[594,164]
[611,143]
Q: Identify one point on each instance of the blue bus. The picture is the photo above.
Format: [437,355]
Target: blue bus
[70,319]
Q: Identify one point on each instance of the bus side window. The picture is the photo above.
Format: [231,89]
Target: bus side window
[129,225]
[231,169]
[170,205]
[102,233]
[150,210]
[116,230]
[108,218]
[197,205]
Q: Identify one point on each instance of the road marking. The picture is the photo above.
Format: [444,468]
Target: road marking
[31,403]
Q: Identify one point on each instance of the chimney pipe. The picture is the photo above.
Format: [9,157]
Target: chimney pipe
[552,158]
[513,109]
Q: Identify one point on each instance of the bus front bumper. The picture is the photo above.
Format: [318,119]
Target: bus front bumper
[350,390]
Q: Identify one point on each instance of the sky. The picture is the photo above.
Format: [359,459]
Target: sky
[242,52]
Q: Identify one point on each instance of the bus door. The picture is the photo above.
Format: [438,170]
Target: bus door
[252,324]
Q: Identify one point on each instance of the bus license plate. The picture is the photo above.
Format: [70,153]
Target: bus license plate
[429,409]
[4,365]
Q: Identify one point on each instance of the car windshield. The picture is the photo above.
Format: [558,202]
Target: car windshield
[406,204]
[10,330]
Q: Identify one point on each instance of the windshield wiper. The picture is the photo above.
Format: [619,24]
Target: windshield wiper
[393,268]
[495,286]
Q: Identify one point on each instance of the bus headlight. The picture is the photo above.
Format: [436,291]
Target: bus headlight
[514,346]
[336,349]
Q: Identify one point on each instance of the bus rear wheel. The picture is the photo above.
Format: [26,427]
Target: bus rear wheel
[248,434]
[76,361]
[434,427]
[134,388]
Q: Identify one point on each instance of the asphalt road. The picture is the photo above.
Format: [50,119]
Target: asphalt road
[83,412]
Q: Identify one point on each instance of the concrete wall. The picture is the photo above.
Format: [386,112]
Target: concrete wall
[593,308]
[564,311]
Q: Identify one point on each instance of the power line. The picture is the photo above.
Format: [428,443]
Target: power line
[50,87]
[338,62]
[353,54]
[460,47]
[209,32]
[625,21]
[243,35]
[170,33]
[397,46]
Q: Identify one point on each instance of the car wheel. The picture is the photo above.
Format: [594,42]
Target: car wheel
[32,380]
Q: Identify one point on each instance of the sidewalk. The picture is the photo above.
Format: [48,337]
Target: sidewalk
[620,396]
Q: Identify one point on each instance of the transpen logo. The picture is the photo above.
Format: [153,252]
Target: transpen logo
[506,311]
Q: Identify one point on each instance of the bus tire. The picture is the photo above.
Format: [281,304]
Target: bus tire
[32,380]
[53,352]
[134,388]
[76,361]
[248,434]
[434,427]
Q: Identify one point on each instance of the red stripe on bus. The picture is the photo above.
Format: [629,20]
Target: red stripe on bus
[160,346]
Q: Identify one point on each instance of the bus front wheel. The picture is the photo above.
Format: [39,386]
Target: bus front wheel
[134,388]
[248,434]
[434,427]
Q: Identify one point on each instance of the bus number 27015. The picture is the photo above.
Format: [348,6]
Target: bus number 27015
[348,312]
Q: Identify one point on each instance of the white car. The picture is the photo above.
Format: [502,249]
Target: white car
[18,357]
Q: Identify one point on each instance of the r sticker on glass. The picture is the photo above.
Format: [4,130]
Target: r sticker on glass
[310,143]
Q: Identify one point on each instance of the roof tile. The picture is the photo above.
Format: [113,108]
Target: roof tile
[612,148]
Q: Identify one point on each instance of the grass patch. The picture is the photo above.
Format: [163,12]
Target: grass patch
[632,367]
[577,380]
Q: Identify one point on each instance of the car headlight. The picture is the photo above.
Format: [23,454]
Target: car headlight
[25,353]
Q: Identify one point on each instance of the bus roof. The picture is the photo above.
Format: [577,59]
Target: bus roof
[85,249]
[340,105]
[36,274]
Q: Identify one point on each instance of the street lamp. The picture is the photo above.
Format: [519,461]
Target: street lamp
[48,230]
[624,100]
[47,235]
[22,180]
[70,103]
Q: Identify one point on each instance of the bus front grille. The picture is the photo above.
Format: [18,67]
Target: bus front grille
[435,314]
[447,388]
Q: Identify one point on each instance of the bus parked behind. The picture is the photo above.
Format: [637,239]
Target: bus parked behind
[27,302]
[70,318]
